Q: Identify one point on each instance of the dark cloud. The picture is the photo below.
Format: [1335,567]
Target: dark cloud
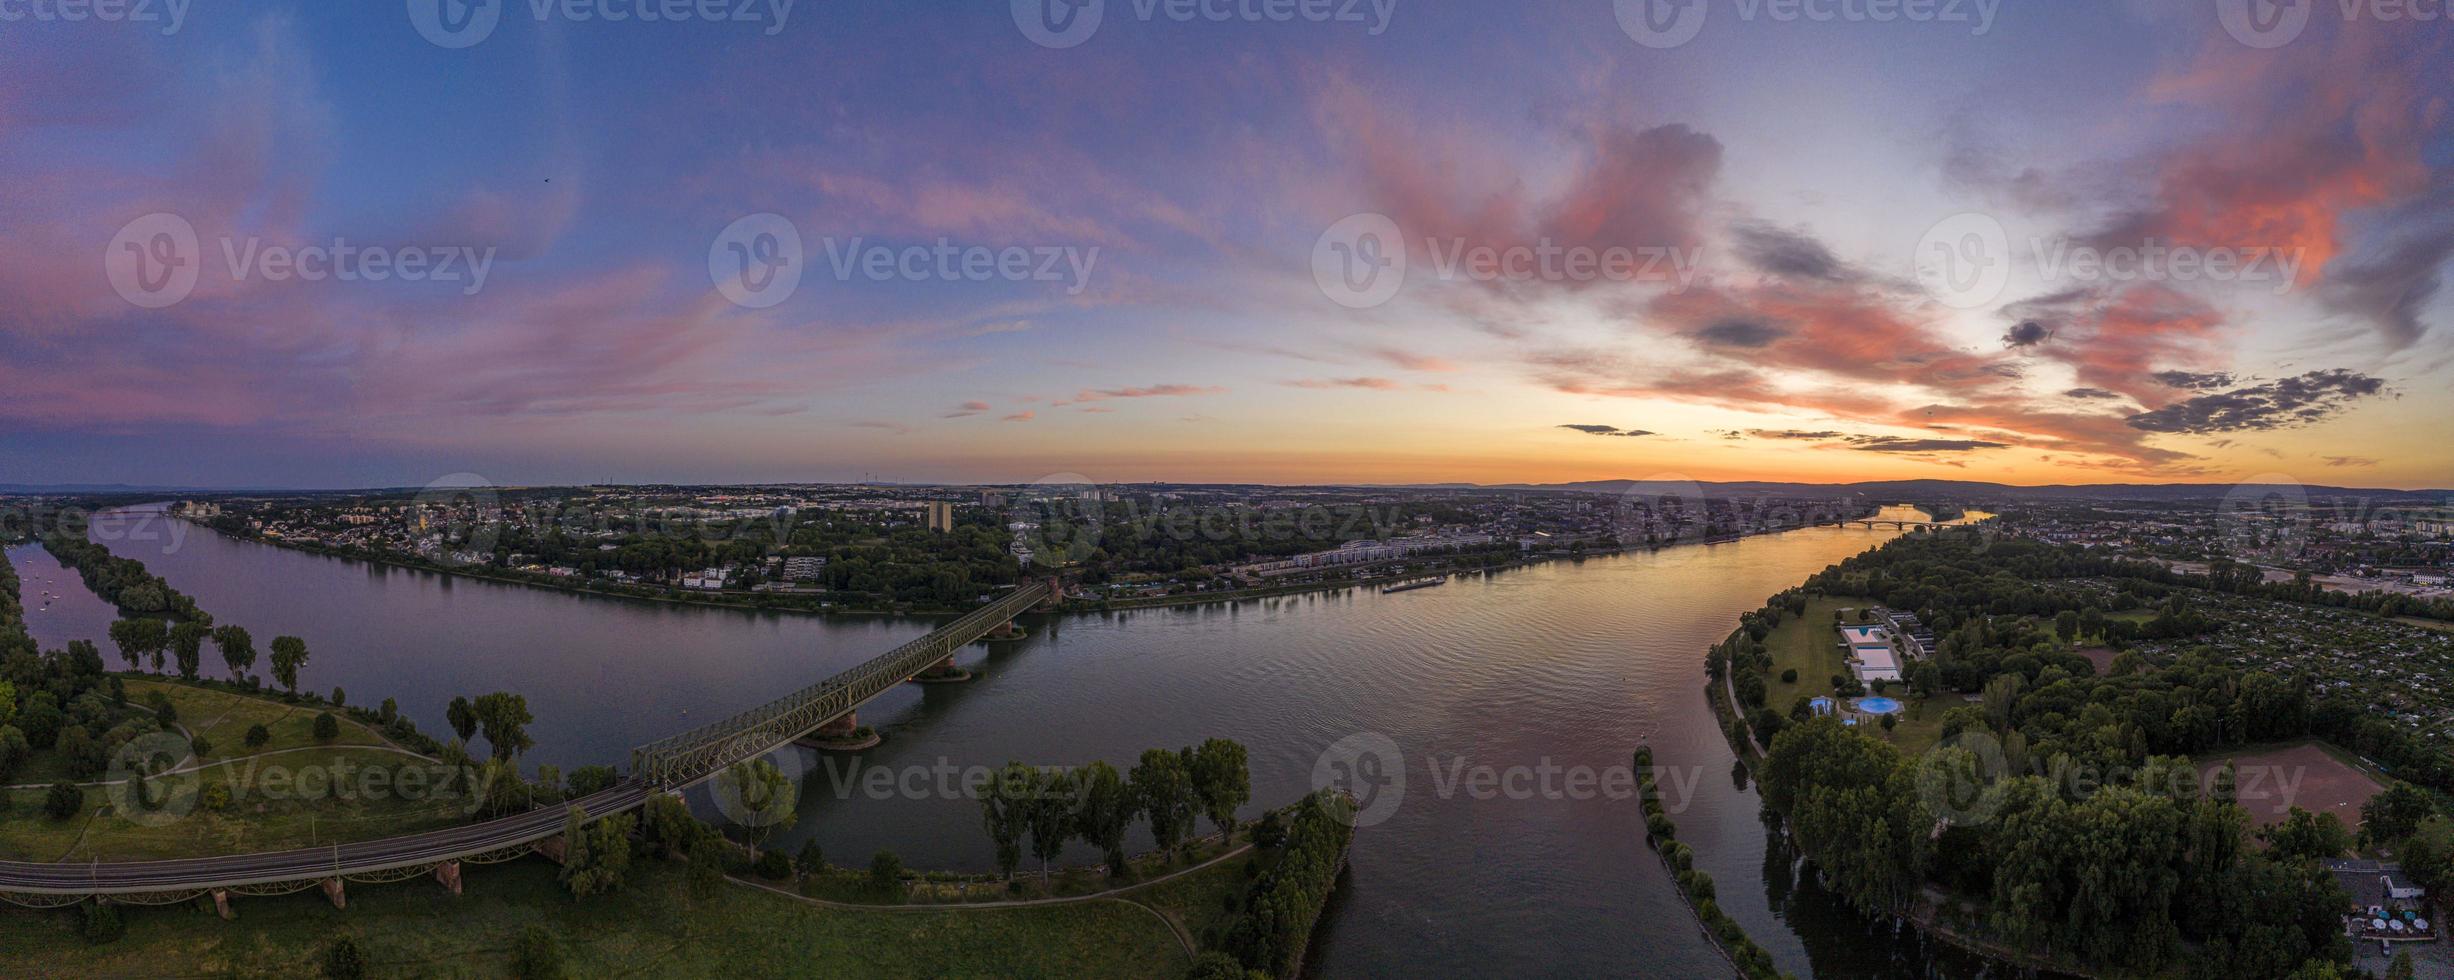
[1607,430]
[1793,434]
[1786,253]
[2027,333]
[2282,404]
[1740,333]
[2089,393]
[2214,381]
[1897,444]
[2391,288]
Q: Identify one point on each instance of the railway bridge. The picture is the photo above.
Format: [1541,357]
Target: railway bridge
[667,765]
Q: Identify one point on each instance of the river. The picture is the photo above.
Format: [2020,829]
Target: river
[1510,703]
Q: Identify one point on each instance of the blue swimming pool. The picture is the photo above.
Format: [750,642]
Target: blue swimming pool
[1878,706]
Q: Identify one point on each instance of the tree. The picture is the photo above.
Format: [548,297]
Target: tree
[595,856]
[13,751]
[343,961]
[327,727]
[62,801]
[2306,834]
[139,639]
[238,649]
[1222,782]
[289,654]
[2393,815]
[256,736]
[535,956]
[763,795]
[1165,792]
[463,718]
[590,780]
[504,717]
[886,873]
[1051,816]
[187,647]
[2401,968]
[1005,807]
[813,860]
[1104,813]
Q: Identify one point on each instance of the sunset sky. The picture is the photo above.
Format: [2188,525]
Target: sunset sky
[1814,182]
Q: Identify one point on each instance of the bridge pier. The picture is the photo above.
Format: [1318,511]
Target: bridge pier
[1007,633]
[333,891]
[942,672]
[448,873]
[221,904]
[553,847]
[841,728]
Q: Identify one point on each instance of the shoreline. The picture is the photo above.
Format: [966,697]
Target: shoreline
[1063,606]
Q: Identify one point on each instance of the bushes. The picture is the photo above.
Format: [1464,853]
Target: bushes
[342,961]
[63,801]
[535,955]
[1286,900]
[886,873]
[327,727]
[257,735]
[101,924]
[773,865]
[1752,960]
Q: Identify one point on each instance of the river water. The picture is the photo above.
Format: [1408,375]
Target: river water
[1500,710]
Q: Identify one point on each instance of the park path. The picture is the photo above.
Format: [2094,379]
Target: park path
[1111,895]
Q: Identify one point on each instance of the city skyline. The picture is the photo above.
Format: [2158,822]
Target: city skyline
[1143,251]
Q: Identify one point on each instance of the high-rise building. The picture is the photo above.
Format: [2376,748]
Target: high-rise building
[941,516]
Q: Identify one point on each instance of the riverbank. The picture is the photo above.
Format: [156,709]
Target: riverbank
[785,602]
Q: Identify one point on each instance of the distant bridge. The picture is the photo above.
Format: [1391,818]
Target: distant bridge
[1875,522]
[666,765]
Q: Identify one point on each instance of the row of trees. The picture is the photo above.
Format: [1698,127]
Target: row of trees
[122,582]
[1047,808]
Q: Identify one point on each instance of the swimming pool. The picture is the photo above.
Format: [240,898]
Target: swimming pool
[1878,706]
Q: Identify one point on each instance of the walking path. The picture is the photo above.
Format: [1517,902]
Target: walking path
[1113,894]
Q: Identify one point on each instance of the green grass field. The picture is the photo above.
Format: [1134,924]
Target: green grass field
[653,927]
[1807,644]
[290,792]
[223,719]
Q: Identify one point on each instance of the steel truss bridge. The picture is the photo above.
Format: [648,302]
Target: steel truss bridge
[666,765]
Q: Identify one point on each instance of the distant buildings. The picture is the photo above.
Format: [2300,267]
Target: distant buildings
[941,516]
